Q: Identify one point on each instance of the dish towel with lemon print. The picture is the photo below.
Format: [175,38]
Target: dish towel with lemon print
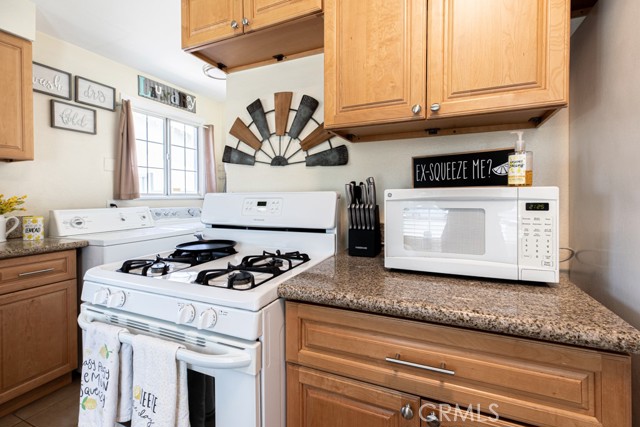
[160,396]
[101,389]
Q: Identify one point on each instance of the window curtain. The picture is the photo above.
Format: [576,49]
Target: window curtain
[127,184]
[210,183]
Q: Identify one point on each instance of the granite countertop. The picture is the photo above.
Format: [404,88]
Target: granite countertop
[560,313]
[17,247]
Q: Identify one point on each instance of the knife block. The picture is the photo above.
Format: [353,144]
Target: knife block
[366,243]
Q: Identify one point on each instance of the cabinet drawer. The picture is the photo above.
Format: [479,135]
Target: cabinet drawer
[36,270]
[534,382]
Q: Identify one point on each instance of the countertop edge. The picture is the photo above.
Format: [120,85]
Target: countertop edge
[330,283]
[14,248]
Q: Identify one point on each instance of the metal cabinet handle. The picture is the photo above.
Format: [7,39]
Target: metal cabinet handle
[416,109]
[245,21]
[419,366]
[29,273]
[234,24]
[432,420]
[435,107]
[406,412]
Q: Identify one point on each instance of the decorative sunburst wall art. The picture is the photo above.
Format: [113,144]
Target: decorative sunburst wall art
[283,147]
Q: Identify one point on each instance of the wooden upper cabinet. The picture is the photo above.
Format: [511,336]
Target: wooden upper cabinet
[264,13]
[209,21]
[375,61]
[204,21]
[497,55]
[16,101]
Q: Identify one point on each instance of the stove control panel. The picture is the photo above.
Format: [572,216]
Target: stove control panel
[262,207]
[83,221]
[204,316]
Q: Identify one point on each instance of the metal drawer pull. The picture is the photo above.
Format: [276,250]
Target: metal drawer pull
[417,365]
[29,273]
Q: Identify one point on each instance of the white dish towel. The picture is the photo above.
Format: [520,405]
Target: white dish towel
[101,366]
[160,396]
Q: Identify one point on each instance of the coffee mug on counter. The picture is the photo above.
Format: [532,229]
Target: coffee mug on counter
[3,226]
[32,228]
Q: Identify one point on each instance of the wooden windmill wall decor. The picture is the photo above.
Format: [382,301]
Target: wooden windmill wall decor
[283,147]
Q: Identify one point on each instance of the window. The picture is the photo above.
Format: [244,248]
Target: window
[168,156]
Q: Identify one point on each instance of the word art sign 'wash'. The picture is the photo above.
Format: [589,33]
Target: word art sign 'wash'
[166,94]
[462,170]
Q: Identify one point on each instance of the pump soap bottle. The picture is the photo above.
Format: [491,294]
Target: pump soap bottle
[520,165]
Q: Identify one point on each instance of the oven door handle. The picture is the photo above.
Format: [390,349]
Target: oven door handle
[211,361]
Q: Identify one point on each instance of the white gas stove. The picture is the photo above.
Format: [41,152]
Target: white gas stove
[223,288]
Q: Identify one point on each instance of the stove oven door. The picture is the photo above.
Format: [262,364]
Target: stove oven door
[223,375]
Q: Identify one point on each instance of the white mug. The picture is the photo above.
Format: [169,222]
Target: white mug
[3,226]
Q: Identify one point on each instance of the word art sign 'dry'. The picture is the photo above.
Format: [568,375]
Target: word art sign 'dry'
[462,170]
[166,94]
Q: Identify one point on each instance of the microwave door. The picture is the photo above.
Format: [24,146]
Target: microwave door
[458,237]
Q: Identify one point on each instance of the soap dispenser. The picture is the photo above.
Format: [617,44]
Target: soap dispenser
[520,164]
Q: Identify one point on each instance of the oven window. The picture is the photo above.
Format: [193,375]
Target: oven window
[452,231]
[202,410]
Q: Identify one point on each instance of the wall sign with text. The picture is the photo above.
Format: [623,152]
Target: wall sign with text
[462,170]
[166,94]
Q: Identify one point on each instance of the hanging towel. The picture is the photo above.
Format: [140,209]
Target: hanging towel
[100,372]
[125,384]
[160,396]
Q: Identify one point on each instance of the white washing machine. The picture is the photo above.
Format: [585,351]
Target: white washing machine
[116,234]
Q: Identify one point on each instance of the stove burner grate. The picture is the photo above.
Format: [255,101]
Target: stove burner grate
[240,277]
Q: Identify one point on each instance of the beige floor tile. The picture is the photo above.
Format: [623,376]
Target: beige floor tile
[10,421]
[46,403]
[63,414]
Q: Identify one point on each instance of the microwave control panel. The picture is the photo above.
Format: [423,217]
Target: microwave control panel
[538,248]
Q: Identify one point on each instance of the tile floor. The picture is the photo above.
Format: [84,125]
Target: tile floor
[59,409]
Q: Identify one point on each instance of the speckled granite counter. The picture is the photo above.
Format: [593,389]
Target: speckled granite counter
[559,313]
[17,247]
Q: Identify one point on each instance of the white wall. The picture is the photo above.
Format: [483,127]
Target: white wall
[605,148]
[18,17]
[71,169]
[389,162]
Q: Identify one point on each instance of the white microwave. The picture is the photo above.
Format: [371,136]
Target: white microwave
[498,232]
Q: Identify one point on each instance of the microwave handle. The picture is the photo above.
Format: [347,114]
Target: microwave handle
[217,361]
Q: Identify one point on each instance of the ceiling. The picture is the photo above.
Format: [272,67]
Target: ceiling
[142,34]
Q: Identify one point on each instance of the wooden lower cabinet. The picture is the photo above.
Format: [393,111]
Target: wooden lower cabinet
[344,360]
[318,399]
[38,331]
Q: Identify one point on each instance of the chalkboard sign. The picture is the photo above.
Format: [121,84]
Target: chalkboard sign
[462,170]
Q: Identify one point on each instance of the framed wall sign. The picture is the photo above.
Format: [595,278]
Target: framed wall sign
[51,81]
[462,170]
[166,94]
[72,117]
[96,94]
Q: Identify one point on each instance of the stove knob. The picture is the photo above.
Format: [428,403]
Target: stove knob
[116,299]
[186,314]
[207,319]
[101,296]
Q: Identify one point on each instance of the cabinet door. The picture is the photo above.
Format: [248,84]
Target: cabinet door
[446,415]
[37,337]
[205,21]
[16,98]
[375,61]
[497,55]
[318,399]
[263,13]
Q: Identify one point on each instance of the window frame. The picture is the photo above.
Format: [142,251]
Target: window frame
[166,117]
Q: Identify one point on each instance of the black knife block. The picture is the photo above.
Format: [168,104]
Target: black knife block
[366,243]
